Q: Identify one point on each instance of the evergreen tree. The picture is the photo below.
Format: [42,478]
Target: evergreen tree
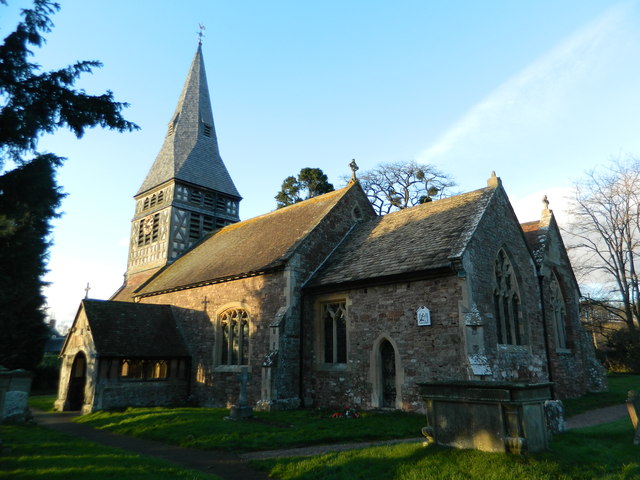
[29,199]
[34,103]
[310,183]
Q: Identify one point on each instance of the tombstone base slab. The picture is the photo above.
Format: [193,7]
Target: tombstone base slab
[240,412]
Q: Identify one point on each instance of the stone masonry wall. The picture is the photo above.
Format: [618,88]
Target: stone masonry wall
[499,228]
[423,353]
[261,296]
[575,369]
[117,393]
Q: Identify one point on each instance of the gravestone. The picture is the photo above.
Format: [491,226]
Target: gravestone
[633,406]
[15,386]
[242,409]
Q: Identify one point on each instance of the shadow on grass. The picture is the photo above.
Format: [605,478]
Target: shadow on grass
[207,428]
[31,452]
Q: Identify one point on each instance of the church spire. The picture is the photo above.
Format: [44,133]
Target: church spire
[190,149]
[188,191]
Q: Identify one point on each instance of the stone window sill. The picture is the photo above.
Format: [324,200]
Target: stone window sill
[230,368]
[504,347]
[332,367]
[564,351]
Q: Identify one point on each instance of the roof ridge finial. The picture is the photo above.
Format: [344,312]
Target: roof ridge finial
[202,28]
[354,168]
[546,210]
[494,181]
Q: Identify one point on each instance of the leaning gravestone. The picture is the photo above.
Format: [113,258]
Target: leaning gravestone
[633,405]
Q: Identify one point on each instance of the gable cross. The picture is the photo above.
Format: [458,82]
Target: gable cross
[354,168]
[86,290]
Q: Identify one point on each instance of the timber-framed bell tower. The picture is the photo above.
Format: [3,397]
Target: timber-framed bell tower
[188,191]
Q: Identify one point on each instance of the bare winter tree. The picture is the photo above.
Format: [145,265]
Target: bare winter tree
[394,186]
[605,231]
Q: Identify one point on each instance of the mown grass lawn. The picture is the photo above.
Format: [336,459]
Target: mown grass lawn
[32,452]
[206,428]
[42,402]
[602,452]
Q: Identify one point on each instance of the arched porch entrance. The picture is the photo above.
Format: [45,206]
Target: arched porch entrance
[77,382]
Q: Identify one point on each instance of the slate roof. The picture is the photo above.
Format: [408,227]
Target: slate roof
[416,239]
[125,329]
[188,154]
[245,248]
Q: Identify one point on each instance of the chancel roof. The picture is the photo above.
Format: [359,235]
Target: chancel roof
[245,248]
[417,239]
[190,149]
[125,329]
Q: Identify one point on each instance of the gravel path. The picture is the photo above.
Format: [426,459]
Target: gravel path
[596,417]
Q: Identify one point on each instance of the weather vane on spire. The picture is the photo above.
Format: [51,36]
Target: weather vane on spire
[202,28]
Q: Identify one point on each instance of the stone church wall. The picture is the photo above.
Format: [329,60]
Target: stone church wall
[117,393]
[499,229]
[575,369]
[375,314]
[261,296]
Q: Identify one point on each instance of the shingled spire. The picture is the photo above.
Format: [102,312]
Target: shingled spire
[188,191]
[190,149]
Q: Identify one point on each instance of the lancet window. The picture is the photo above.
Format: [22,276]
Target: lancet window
[334,324]
[507,302]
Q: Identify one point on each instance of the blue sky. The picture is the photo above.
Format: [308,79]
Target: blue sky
[537,91]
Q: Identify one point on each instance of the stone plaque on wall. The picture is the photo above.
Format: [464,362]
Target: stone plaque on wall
[424,316]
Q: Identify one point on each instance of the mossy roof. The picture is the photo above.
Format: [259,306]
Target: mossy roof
[416,239]
[245,248]
[125,329]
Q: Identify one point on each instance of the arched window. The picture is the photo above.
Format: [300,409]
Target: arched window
[334,324]
[558,313]
[506,302]
[234,329]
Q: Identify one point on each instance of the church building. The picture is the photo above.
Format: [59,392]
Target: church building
[322,303]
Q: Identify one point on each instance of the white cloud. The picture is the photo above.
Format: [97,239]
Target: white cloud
[533,97]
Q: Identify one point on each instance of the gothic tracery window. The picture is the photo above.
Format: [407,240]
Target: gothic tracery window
[234,330]
[334,324]
[506,302]
[558,314]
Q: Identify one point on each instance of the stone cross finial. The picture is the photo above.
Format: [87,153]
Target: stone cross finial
[86,290]
[202,28]
[354,168]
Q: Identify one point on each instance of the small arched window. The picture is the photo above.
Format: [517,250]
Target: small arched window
[558,313]
[334,326]
[507,302]
[234,332]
